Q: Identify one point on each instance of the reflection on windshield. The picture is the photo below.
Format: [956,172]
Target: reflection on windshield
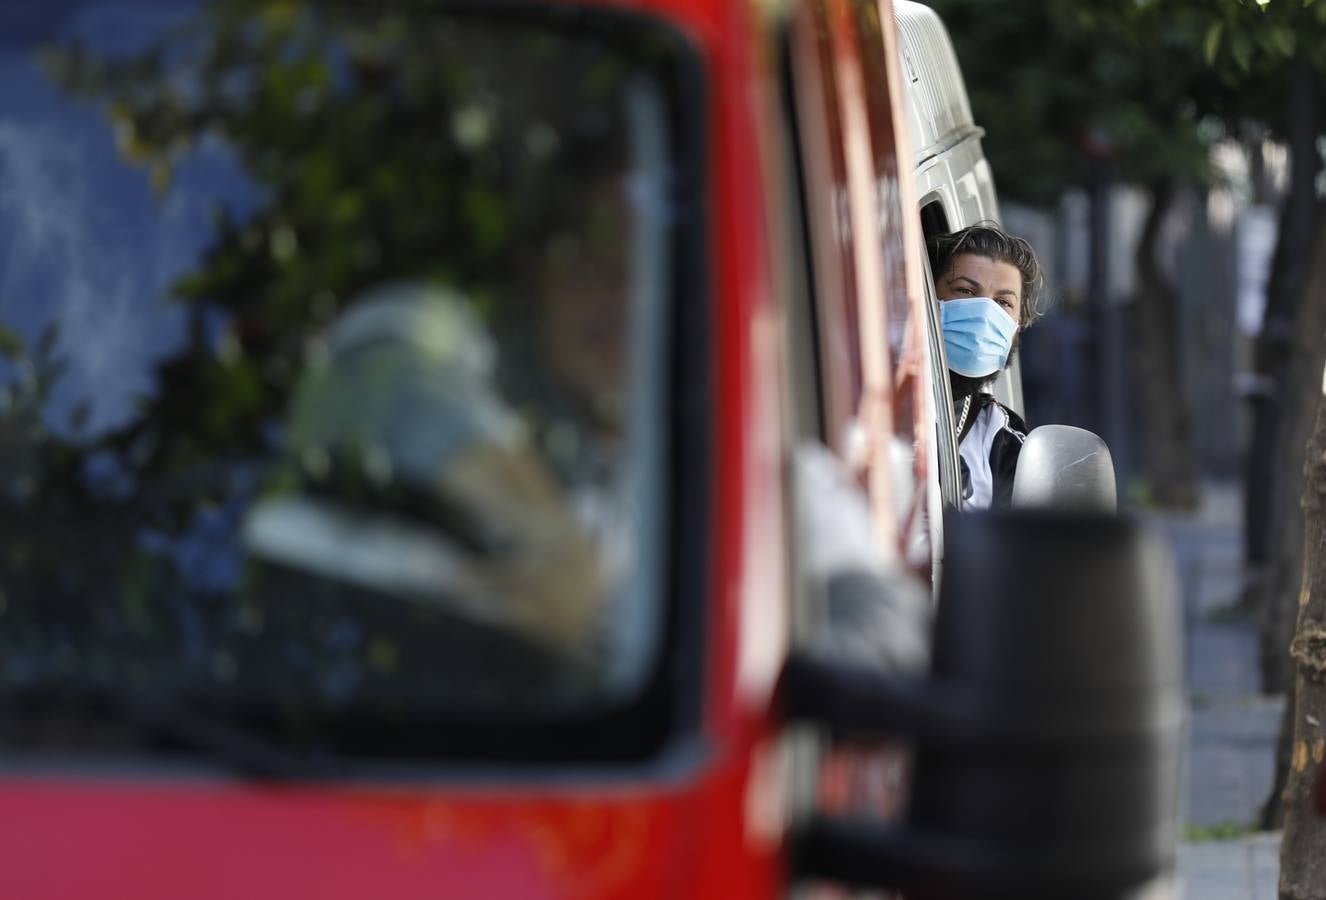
[400,400]
[334,360]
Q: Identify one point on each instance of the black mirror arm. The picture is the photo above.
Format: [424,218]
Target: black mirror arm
[859,704]
[876,855]
[862,853]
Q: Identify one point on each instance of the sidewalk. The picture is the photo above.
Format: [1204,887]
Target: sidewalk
[1243,869]
[1229,755]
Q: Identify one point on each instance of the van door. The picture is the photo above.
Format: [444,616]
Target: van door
[918,491]
[875,345]
[871,352]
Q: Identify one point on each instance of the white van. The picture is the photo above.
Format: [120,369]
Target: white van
[954,185]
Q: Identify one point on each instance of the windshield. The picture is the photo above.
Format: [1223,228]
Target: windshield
[336,363]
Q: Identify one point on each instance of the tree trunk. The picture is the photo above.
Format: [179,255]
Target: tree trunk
[1290,354]
[1272,814]
[1300,370]
[1307,358]
[1271,505]
[1302,862]
[1166,433]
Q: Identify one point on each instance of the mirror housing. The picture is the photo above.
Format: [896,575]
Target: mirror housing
[1066,468]
[1047,733]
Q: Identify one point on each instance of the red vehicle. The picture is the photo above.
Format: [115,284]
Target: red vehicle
[398,423]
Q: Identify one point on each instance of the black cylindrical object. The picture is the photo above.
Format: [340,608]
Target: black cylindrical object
[1065,629]
[1047,734]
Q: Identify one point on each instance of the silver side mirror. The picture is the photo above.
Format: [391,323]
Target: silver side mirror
[1066,468]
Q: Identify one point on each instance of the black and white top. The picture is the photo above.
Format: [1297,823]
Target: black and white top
[992,437]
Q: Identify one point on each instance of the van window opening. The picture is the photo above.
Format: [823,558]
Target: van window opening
[298,446]
[933,219]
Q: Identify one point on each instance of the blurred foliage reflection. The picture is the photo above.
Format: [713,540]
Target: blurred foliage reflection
[395,445]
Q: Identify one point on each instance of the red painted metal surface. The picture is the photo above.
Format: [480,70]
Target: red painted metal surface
[146,840]
[163,840]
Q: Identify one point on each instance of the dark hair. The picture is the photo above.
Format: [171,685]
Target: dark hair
[989,240]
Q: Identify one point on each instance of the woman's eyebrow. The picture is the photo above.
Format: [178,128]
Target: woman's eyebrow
[972,281]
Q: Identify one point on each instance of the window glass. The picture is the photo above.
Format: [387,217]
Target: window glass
[335,364]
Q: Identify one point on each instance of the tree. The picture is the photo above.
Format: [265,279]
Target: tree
[1271,56]
[1272,53]
[1264,62]
[1302,864]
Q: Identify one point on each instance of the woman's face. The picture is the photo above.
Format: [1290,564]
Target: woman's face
[970,275]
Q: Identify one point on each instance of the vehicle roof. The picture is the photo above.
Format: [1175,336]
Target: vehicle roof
[937,106]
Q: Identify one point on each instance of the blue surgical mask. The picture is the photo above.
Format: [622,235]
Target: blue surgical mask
[978,335]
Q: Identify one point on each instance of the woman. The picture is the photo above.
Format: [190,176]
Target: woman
[990,287]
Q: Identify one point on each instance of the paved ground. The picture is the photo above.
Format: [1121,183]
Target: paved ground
[1229,757]
[1243,869]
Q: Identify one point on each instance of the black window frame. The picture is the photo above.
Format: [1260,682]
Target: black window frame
[934,221]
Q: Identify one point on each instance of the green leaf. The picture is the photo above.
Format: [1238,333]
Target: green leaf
[1211,45]
[160,175]
[1242,50]
[1286,39]
[11,345]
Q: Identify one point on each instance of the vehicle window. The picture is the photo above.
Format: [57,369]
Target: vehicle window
[935,222]
[337,365]
[933,219]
